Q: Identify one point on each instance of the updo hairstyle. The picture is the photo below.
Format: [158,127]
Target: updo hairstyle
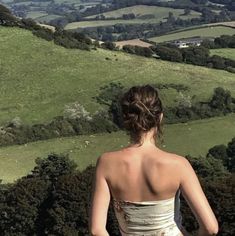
[141,108]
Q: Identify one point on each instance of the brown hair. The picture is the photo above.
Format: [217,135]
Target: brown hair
[141,108]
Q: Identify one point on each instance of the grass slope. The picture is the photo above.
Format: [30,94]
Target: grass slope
[47,18]
[36,14]
[212,31]
[38,78]
[140,10]
[193,138]
[224,52]
[160,14]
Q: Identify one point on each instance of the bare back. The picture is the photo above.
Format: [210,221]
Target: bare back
[143,174]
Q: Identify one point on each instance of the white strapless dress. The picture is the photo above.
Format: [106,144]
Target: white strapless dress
[149,218]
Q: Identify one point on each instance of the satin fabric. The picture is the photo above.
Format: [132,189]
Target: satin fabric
[149,218]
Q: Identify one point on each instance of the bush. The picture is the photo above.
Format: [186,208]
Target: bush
[55,198]
[217,62]
[225,153]
[222,100]
[169,54]
[195,55]
[138,50]
[76,110]
[129,49]
[6,17]
[231,155]
[44,33]
[108,45]
[30,24]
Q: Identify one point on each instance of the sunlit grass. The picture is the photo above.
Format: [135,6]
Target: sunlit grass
[194,138]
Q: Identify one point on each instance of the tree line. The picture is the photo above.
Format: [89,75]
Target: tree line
[195,5]
[55,197]
[59,37]
[69,39]
[119,32]
[77,121]
[186,109]
[196,55]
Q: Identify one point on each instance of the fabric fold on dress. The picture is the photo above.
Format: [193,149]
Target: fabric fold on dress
[149,218]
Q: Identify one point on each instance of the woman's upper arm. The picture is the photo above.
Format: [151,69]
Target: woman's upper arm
[100,198]
[195,197]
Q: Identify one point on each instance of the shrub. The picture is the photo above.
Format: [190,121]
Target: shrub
[108,45]
[76,110]
[55,198]
[169,54]
[44,33]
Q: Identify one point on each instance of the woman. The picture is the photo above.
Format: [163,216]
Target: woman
[144,182]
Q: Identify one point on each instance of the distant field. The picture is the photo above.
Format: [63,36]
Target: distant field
[134,42]
[213,31]
[224,52]
[194,138]
[47,18]
[160,13]
[90,3]
[36,14]
[26,3]
[6,1]
[140,10]
[39,78]
[66,1]
[85,24]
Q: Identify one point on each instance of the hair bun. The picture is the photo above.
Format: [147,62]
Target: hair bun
[141,109]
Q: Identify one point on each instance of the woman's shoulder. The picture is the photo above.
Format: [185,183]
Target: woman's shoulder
[179,163]
[173,157]
[105,158]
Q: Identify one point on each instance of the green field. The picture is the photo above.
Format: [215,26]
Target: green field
[224,52]
[47,18]
[212,31]
[66,1]
[193,138]
[26,3]
[140,10]
[36,14]
[39,78]
[160,13]
[86,24]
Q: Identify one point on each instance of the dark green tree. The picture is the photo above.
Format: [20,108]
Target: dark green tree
[53,166]
[222,100]
[108,45]
[231,155]
[219,152]
[6,17]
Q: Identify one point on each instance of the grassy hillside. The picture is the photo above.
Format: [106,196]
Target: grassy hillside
[86,24]
[193,138]
[224,52]
[36,14]
[140,10]
[213,31]
[159,13]
[38,78]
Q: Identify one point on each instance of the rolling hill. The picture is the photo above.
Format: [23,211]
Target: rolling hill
[208,31]
[144,14]
[143,10]
[224,52]
[38,78]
